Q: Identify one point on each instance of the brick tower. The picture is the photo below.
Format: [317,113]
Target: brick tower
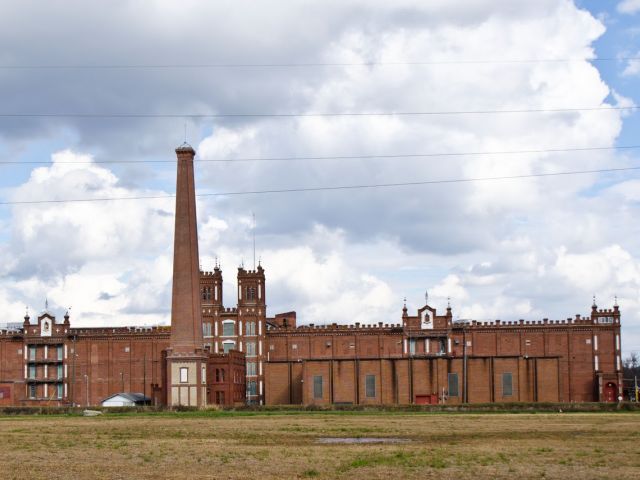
[186,358]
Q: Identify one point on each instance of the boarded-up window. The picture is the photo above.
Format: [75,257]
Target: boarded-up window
[5,392]
[370,386]
[317,386]
[507,384]
[453,385]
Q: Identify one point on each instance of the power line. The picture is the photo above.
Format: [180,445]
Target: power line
[330,188]
[300,115]
[334,157]
[166,66]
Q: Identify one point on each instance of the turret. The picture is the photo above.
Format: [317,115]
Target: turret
[251,287]
[211,287]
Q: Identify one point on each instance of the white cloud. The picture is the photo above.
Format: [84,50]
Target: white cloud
[629,6]
[500,249]
[109,260]
[633,67]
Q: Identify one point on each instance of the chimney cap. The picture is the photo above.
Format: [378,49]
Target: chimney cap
[185,148]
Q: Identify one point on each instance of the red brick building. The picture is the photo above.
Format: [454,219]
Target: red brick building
[215,354]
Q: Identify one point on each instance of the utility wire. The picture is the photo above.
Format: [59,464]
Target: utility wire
[291,115]
[330,188]
[333,157]
[166,66]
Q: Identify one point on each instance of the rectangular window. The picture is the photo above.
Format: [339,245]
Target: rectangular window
[251,349]
[370,386]
[227,346]
[60,353]
[59,372]
[184,375]
[251,328]
[32,371]
[206,329]
[32,391]
[60,390]
[453,385]
[252,387]
[443,346]
[317,386]
[507,384]
[32,353]
[412,346]
[228,329]
[251,368]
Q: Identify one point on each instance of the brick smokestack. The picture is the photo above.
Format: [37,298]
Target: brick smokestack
[186,314]
[186,359]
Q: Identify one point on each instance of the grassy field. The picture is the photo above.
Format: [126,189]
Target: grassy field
[230,445]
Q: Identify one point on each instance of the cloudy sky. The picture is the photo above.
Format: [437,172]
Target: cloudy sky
[519,248]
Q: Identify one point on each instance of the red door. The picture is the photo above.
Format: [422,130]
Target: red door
[610,392]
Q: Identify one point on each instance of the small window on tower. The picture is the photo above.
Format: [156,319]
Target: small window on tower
[228,329]
[251,293]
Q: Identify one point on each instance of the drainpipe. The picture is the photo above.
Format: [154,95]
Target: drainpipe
[465,396]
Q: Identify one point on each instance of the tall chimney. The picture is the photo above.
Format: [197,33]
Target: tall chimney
[186,358]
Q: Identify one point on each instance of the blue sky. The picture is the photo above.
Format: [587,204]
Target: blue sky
[529,248]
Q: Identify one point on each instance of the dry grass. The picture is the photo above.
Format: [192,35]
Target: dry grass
[238,446]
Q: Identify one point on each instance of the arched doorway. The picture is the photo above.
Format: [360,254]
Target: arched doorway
[610,390]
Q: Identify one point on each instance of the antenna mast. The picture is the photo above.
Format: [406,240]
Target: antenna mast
[254,240]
